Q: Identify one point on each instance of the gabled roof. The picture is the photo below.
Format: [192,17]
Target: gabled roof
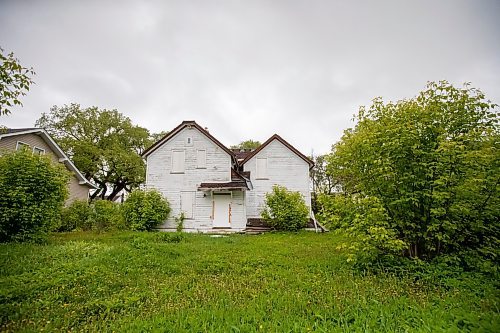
[55,148]
[286,144]
[179,128]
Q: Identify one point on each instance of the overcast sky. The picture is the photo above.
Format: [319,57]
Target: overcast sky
[247,69]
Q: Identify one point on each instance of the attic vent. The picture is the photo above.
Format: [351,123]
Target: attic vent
[189,141]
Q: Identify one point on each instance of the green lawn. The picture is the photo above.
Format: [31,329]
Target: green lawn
[268,283]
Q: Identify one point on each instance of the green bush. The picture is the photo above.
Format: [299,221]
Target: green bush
[144,210]
[101,215]
[78,215]
[107,216]
[367,224]
[285,210]
[32,194]
[433,163]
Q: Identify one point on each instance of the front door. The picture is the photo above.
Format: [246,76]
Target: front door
[222,210]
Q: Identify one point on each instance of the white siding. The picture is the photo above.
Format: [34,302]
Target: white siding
[218,169]
[283,167]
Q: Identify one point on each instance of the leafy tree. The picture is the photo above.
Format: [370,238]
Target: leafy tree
[32,194]
[285,210]
[323,181]
[15,81]
[103,144]
[144,210]
[154,137]
[247,144]
[433,163]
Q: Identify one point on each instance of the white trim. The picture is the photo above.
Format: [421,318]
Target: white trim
[42,151]
[22,144]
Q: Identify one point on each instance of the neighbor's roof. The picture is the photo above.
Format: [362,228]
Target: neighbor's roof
[179,128]
[52,144]
[286,144]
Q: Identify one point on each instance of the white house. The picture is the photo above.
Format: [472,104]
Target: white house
[216,188]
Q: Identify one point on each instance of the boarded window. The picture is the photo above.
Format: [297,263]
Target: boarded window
[178,158]
[187,204]
[261,168]
[201,158]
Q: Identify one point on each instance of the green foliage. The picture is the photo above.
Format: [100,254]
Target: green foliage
[433,163]
[107,216]
[144,210]
[247,144]
[101,215]
[32,194]
[285,210]
[103,144]
[15,81]
[323,182]
[170,237]
[79,215]
[366,222]
[276,282]
[180,222]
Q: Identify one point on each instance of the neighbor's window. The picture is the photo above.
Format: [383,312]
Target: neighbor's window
[261,168]
[178,158]
[38,151]
[21,145]
[201,159]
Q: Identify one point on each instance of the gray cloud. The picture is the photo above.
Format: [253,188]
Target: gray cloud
[247,69]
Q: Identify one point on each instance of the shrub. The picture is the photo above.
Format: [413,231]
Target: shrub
[107,216]
[433,163]
[78,215]
[285,210]
[32,194]
[144,210]
[367,224]
[101,215]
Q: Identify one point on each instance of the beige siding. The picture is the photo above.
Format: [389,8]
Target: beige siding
[10,143]
[76,191]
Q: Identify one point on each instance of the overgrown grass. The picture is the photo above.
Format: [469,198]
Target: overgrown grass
[160,282]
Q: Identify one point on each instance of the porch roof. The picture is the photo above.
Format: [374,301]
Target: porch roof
[233,185]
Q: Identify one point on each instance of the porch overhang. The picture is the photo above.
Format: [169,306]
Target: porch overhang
[230,186]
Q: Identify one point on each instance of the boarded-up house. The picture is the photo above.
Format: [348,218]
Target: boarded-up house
[216,188]
[39,142]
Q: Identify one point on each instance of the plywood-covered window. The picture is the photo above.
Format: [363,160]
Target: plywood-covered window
[261,168]
[201,159]
[187,204]
[178,159]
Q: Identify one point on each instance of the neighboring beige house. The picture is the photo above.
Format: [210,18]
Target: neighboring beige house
[216,188]
[40,142]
